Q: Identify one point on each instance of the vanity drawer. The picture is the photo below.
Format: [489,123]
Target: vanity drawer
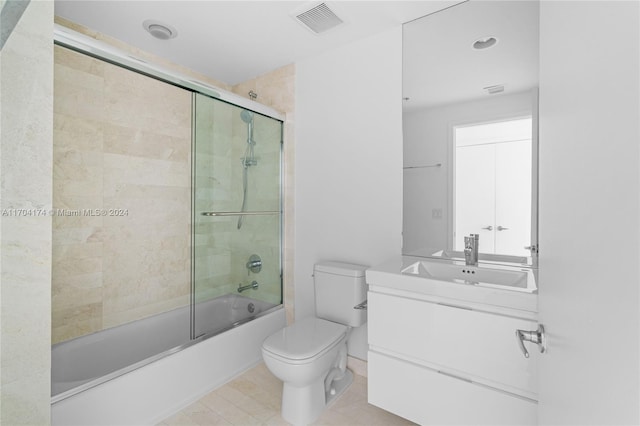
[472,344]
[427,397]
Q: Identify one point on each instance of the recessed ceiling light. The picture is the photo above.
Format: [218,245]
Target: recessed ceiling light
[485,43]
[159,30]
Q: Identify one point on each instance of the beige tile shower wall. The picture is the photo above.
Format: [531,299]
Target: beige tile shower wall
[122,145]
[277,89]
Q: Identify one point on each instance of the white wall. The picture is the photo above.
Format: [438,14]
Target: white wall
[427,141]
[589,212]
[348,197]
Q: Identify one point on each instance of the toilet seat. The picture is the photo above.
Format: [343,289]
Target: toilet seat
[305,340]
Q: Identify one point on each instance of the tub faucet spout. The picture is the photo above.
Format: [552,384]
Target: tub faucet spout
[471,249]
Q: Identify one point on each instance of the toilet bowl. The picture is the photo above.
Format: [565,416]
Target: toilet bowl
[303,366]
[310,356]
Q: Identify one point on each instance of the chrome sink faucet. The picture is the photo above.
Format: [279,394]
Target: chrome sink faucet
[471,250]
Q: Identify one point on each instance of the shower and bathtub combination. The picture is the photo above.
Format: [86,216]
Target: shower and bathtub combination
[171,292]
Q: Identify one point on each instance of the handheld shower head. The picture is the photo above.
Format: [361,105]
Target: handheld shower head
[249,159]
[247,116]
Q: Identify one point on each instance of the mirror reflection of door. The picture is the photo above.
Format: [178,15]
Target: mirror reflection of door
[492,181]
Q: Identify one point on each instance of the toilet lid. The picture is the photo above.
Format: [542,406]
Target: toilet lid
[304,339]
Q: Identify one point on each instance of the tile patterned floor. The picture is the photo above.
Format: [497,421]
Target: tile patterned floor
[254,399]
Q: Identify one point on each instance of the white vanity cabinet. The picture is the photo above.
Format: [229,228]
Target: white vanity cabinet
[439,361]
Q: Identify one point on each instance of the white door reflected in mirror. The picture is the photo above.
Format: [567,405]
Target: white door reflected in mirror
[492,185]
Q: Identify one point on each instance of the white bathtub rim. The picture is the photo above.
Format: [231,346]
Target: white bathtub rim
[152,394]
[125,370]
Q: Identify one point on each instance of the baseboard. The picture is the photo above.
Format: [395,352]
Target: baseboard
[358,366]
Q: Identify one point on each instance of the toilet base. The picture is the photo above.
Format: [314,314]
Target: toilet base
[302,406]
[339,386]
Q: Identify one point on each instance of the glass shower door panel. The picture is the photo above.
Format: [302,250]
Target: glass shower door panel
[241,293]
[236,214]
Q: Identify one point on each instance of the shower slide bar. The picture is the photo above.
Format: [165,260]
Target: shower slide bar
[262,213]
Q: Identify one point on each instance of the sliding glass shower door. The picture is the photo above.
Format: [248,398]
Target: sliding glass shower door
[237,214]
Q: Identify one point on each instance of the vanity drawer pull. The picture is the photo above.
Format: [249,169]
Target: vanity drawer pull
[536,336]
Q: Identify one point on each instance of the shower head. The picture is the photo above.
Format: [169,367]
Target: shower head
[247,116]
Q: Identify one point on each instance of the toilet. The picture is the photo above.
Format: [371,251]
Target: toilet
[310,356]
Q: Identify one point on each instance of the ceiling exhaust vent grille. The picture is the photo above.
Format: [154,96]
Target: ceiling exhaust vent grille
[319,18]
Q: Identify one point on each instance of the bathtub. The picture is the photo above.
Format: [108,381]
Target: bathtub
[142,372]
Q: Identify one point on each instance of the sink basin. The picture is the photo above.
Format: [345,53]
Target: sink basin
[498,288]
[478,275]
[488,257]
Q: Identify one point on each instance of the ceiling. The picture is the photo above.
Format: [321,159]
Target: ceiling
[441,67]
[234,41]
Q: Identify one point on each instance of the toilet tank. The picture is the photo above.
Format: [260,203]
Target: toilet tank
[338,288]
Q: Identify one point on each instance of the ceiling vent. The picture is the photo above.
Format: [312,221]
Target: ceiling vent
[318,19]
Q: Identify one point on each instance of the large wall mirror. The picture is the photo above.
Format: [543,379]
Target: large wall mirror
[470,80]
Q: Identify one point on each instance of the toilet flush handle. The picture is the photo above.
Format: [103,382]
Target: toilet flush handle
[362,305]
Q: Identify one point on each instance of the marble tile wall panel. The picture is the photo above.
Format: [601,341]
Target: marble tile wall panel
[122,143]
[26,95]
